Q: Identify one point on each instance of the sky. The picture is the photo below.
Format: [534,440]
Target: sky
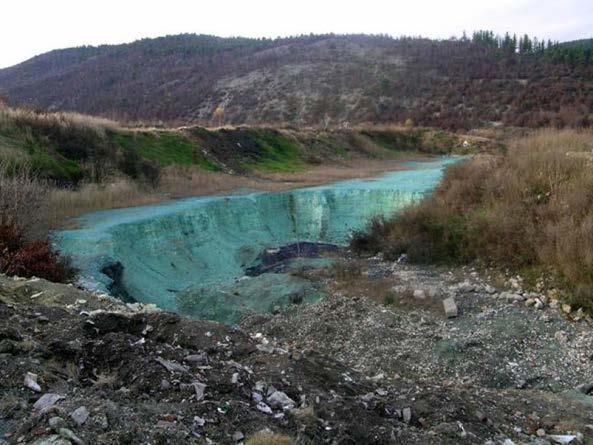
[29,28]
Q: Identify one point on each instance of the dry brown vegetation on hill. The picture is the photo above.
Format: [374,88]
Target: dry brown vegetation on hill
[310,80]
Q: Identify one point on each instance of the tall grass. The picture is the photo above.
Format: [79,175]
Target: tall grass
[529,208]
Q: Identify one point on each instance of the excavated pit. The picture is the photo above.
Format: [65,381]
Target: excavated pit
[198,256]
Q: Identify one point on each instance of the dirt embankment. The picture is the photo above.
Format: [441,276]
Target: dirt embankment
[82,368]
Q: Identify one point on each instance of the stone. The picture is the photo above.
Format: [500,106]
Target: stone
[561,336]
[450,307]
[101,421]
[539,304]
[55,423]
[238,436]
[419,294]
[540,432]
[585,388]
[279,399]
[69,434]
[46,400]
[54,439]
[566,308]
[261,406]
[489,289]
[172,366]
[30,382]
[200,388]
[433,292]
[198,359]
[407,414]
[199,421]
[563,439]
[512,297]
[80,415]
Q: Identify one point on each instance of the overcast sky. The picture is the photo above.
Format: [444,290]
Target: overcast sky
[28,28]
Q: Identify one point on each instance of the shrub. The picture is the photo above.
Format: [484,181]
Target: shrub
[23,201]
[30,259]
[531,207]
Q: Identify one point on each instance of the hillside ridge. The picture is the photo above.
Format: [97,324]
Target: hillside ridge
[322,80]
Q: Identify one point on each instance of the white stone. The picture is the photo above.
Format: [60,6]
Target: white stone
[450,307]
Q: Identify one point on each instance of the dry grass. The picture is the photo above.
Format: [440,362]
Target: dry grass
[116,193]
[23,201]
[9,115]
[269,438]
[531,208]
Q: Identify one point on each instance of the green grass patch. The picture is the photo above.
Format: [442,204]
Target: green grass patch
[278,153]
[164,148]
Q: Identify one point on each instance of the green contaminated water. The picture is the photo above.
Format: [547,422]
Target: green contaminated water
[190,256]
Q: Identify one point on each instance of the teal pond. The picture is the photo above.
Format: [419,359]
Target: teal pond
[217,257]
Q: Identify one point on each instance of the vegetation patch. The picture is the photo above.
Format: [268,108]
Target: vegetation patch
[530,209]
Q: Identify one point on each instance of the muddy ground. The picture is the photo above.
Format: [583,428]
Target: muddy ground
[512,367]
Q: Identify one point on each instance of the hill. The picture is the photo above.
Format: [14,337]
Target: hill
[323,80]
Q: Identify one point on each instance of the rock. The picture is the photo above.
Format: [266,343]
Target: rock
[198,359]
[46,400]
[200,388]
[165,385]
[539,304]
[261,406]
[172,366]
[199,421]
[407,415]
[512,297]
[30,382]
[433,292]
[489,289]
[278,399]
[540,432]
[566,308]
[80,415]
[419,294]
[101,421]
[561,336]
[508,442]
[54,439]
[554,304]
[530,302]
[238,436]
[481,416]
[585,388]
[466,287]
[450,307]
[563,438]
[69,434]
[55,423]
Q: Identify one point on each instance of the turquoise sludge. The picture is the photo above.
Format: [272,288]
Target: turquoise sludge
[190,255]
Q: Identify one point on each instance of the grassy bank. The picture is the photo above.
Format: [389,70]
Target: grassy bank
[530,209]
[70,147]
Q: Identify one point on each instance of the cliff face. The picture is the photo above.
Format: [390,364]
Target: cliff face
[313,80]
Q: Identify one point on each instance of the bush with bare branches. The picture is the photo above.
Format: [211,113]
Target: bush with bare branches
[23,201]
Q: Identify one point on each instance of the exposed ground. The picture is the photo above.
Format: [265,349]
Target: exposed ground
[500,371]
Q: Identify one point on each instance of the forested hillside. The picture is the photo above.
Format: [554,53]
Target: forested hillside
[324,80]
